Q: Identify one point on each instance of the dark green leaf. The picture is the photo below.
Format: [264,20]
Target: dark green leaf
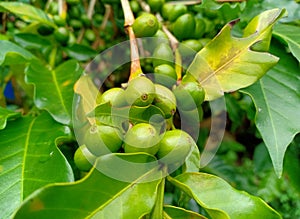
[54,88]
[11,53]
[172,212]
[220,200]
[26,12]
[29,159]
[99,195]
[32,41]
[277,100]
[80,52]
[291,35]
[6,114]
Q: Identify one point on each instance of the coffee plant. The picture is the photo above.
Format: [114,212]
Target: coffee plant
[149,109]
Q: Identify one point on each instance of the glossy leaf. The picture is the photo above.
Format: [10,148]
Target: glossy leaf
[89,94]
[277,102]
[54,88]
[172,212]
[220,200]
[11,53]
[98,195]
[6,114]
[32,41]
[291,35]
[26,12]
[30,159]
[80,52]
[227,63]
[192,163]
[106,114]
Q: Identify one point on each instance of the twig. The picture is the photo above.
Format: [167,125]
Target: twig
[135,68]
[107,14]
[144,6]
[193,2]
[91,9]
[62,9]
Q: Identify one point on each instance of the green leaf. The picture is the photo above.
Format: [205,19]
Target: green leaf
[29,159]
[98,195]
[26,12]
[227,63]
[172,212]
[192,163]
[32,41]
[80,52]
[6,114]
[106,114]
[290,35]
[11,53]
[220,200]
[277,102]
[54,88]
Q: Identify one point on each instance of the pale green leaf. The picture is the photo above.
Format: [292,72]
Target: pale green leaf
[98,195]
[228,63]
[6,114]
[172,212]
[277,100]
[29,159]
[11,53]
[220,200]
[26,12]
[291,35]
[192,162]
[54,88]
[89,94]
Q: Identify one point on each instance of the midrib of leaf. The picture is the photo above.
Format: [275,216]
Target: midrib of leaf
[58,90]
[286,37]
[121,192]
[24,156]
[166,216]
[271,118]
[243,51]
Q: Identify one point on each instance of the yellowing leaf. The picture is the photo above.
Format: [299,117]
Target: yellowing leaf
[228,63]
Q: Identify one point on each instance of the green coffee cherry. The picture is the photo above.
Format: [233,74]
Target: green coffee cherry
[135,6]
[83,158]
[45,29]
[140,91]
[189,47]
[184,27]
[142,137]
[90,35]
[176,11]
[175,147]
[165,74]
[163,54]
[199,28]
[204,41]
[103,139]
[116,96]
[76,24]
[165,100]
[59,21]
[189,95]
[155,5]
[61,35]
[146,25]
[166,10]
[86,21]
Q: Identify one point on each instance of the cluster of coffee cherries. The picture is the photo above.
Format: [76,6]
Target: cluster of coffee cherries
[167,143]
